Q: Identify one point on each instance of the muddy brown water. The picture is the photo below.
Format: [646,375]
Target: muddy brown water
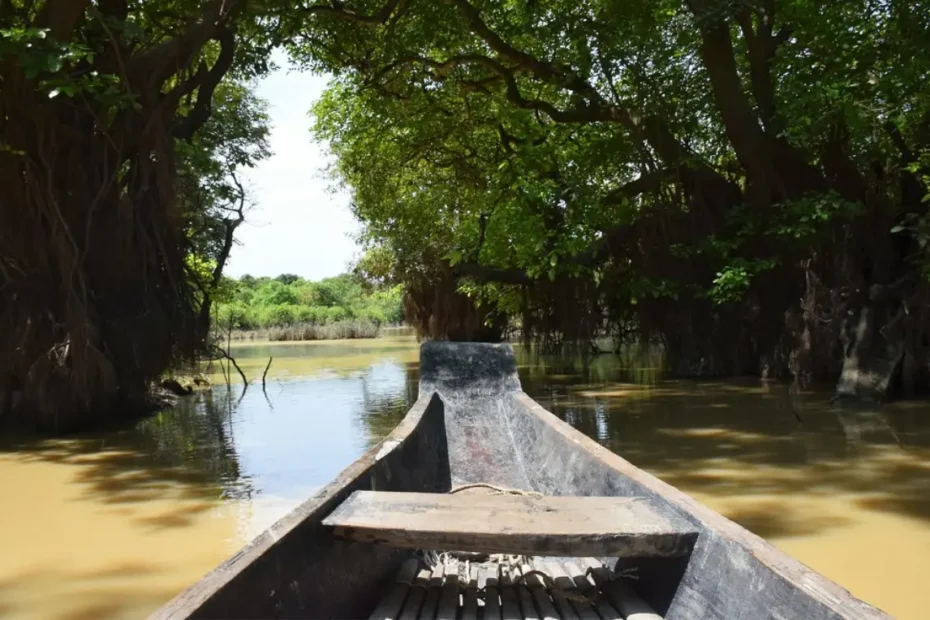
[114,524]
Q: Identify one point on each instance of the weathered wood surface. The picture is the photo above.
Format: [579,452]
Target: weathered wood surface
[731,572]
[489,582]
[556,526]
[473,423]
[296,568]
[538,590]
[528,589]
[470,594]
[390,607]
[620,594]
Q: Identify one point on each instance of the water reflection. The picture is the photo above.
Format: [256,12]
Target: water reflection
[113,524]
[845,491]
[116,523]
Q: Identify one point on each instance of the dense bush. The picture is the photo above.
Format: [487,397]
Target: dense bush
[291,308]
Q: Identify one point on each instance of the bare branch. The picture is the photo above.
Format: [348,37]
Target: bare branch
[265,374]
[223,354]
[907,155]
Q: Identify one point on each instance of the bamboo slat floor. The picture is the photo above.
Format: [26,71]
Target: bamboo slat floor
[529,589]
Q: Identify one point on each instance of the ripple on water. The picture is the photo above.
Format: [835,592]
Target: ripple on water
[114,524]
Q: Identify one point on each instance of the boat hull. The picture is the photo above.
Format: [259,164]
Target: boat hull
[473,424]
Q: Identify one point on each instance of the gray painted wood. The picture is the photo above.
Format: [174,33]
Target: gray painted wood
[731,573]
[621,595]
[510,602]
[389,608]
[562,526]
[433,593]
[417,596]
[539,592]
[474,424]
[489,581]
[470,594]
[449,601]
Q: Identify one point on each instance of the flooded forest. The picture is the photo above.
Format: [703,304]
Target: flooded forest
[703,224]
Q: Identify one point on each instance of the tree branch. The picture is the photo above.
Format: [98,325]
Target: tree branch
[60,17]
[761,50]
[335,10]
[491,274]
[595,254]
[897,138]
[741,125]
[206,82]
[641,185]
[157,63]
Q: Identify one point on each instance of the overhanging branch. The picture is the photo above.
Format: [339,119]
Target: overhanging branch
[484,273]
[156,64]
[336,11]
[595,254]
[207,81]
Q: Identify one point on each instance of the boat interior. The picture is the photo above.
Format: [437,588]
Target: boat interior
[481,504]
[451,588]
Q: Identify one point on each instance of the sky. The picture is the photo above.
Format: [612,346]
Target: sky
[299,225]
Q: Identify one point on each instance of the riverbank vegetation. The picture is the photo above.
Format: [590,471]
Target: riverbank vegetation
[124,130]
[744,183]
[291,308]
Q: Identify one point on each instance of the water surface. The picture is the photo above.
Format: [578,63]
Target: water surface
[114,524]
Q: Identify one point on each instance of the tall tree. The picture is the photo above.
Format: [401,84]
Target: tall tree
[95,99]
[726,174]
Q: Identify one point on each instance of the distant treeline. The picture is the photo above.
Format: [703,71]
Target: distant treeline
[289,307]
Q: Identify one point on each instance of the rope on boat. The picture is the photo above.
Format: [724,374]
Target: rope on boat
[576,597]
[501,490]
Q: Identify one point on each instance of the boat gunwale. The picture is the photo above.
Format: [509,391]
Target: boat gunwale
[827,592]
[193,598]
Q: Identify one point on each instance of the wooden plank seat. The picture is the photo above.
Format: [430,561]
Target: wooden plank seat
[516,524]
[532,589]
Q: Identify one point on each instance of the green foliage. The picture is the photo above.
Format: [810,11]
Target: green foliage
[269,303]
[505,134]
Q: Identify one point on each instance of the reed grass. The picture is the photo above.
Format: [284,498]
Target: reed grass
[340,330]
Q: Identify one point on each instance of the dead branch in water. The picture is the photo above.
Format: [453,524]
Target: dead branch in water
[265,374]
[222,354]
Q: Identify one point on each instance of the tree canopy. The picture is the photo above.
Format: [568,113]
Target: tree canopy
[731,178]
[744,181]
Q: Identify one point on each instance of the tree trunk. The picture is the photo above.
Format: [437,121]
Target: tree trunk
[874,341]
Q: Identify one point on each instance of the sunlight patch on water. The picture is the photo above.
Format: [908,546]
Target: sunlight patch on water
[115,524]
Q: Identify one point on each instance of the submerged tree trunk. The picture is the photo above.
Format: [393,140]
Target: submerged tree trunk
[873,353]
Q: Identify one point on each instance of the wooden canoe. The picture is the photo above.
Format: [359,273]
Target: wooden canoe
[347,552]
